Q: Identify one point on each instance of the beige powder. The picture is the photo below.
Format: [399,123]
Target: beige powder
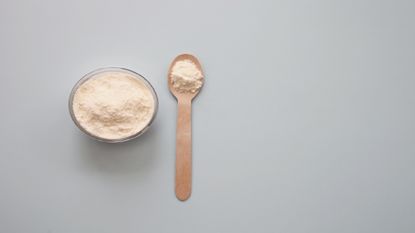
[113,105]
[186,77]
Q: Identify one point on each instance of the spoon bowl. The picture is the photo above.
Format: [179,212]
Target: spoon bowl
[174,91]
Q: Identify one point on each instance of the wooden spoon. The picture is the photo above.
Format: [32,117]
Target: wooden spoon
[183,132]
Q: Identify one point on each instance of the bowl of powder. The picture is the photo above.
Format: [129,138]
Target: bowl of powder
[113,104]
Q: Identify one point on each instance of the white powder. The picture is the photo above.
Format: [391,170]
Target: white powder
[186,77]
[113,105]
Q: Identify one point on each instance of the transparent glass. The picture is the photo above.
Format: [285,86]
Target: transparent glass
[113,69]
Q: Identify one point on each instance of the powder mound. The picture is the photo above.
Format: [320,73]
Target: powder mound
[186,77]
[113,105]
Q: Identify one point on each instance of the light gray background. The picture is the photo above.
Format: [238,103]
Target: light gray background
[305,124]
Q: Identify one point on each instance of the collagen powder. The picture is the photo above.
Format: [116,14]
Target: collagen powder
[113,105]
[186,77]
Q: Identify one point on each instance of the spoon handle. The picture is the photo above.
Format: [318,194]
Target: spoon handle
[184,149]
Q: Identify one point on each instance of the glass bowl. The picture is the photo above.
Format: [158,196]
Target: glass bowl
[105,70]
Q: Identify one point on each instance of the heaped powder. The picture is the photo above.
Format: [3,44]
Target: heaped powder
[186,77]
[113,105]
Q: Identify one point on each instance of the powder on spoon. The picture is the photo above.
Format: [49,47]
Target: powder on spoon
[113,105]
[186,77]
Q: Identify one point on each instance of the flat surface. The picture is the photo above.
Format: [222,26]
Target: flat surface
[305,124]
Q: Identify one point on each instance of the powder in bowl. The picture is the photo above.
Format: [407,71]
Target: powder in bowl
[113,104]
